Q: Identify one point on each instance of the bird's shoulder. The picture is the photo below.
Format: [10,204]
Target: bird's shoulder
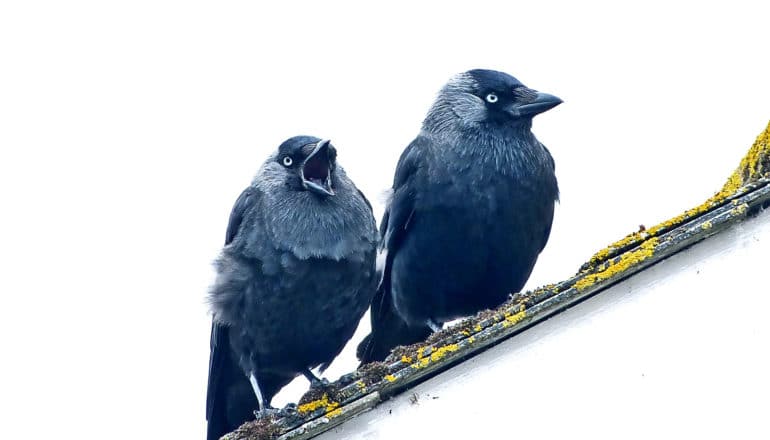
[548,156]
[249,198]
[407,183]
[413,159]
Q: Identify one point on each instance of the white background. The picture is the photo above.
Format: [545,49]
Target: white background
[128,130]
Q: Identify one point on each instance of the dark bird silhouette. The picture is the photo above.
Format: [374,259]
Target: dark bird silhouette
[471,209]
[294,279]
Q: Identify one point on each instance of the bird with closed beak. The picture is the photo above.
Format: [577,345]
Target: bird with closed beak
[294,278]
[470,211]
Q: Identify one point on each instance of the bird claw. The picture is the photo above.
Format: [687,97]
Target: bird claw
[319,384]
[347,379]
[288,411]
[268,412]
[434,325]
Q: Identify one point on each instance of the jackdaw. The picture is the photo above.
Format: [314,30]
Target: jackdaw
[471,208]
[296,275]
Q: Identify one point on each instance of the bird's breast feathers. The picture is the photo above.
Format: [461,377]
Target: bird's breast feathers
[310,228]
[484,178]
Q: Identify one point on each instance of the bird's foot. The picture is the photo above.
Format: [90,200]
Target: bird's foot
[347,379]
[315,382]
[435,326]
[321,383]
[288,411]
[268,412]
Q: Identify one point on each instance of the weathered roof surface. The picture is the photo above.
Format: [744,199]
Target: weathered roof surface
[745,192]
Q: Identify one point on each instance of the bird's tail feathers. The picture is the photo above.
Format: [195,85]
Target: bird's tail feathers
[389,330]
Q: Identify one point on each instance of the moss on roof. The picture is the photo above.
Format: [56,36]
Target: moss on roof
[747,189]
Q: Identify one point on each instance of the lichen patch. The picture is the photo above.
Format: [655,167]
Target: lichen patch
[613,267]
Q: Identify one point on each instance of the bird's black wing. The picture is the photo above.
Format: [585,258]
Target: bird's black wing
[401,206]
[388,328]
[245,201]
[549,215]
[222,367]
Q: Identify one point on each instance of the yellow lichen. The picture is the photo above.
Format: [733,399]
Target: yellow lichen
[390,378]
[361,385]
[442,351]
[421,359]
[514,318]
[741,208]
[613,268]
[435,355]
[628,240]
[753,166]
[707,225]
[681,218]
[477,328]
[472,339]
[334,413]
[323,402]
[406,359]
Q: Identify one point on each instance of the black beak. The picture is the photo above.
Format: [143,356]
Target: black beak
[542,102]
[316,171]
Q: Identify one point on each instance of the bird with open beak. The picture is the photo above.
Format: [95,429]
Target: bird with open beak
[296,275]
[316,170]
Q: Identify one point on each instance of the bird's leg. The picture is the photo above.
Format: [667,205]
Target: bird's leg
[257,391]
[315,382]
[435,326]
[264,410]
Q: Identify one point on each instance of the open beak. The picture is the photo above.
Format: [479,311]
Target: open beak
[317,170]
[542,102]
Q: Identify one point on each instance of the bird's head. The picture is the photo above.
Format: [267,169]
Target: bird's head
[308,164]
[481,95]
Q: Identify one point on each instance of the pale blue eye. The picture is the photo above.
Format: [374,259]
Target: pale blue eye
[491,98]
[287,161]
